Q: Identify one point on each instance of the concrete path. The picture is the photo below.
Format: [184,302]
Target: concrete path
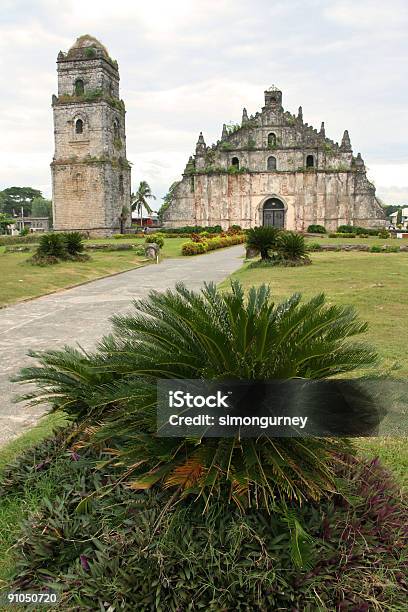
[81,315]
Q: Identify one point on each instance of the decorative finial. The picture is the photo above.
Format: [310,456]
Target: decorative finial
[359,161]
[345,141]
[244,116]
[200,146]
[224,132]
[322,130]
[300,113]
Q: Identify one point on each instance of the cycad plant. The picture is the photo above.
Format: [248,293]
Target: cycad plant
[183,334]
[291,246]
[263,239]
[74,243]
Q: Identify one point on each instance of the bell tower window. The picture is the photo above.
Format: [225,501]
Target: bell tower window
[310,161]
[271,164]
[79,126]
[116,131]
[79,87]
[271,140]
[235,162]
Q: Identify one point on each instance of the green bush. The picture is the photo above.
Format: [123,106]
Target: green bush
[199,245]
[314,246]
[155,238]
[218,335]
[383,234]
[376,249]
[74,243]
[193,248]
[262,239]
[345,229]
[52,245]
[342,235]
[29,239]
[192,229]
[316,229]
[291,246]
[120,551]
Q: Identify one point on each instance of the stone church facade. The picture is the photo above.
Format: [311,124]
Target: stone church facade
[90,172]
[274,169]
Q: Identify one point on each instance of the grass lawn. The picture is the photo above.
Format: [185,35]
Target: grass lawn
[21,280]
[171,248]
[371,241]
[376,284]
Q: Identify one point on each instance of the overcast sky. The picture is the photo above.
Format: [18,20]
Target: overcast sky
[191,65]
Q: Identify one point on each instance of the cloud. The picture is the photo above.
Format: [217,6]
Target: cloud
[187,67]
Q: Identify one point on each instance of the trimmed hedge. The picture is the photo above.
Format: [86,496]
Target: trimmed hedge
[29,239]
[220,242]
[191,229]
[316,229]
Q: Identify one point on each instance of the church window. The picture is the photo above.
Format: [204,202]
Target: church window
[79,87]
[271,163]
[271,140]
[310,161]
[235,162]
[79,126]
[116,131]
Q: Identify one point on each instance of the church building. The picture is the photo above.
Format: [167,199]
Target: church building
[274,169]
[90,172]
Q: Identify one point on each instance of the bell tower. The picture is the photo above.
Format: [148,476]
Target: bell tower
[90,172]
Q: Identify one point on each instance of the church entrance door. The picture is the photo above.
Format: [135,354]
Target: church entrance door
[274,213]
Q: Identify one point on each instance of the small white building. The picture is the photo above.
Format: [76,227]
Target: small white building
[404,219]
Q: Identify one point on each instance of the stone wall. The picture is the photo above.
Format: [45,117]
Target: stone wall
[90,172]
[274,154]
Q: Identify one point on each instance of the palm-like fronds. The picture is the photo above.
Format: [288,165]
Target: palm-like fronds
[291,245]
[263,239]
[208,335]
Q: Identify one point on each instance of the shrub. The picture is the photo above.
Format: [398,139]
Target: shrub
[316,229]
[234,229]
[74,243]
[24,232]
[383,234]
[342,235]
[122,552]
[192,229]
[291,246]
[29,239]
[345,229]
[151,238]
[52,245]
[392,249]
[376,249]
[193,248]
[314,246]
[199,245]
[218,336]
[262,239]
[197,237]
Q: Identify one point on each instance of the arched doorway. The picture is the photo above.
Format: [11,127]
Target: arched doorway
[273,213]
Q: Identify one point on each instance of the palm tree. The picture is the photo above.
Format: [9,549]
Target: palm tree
[139,199]
[183,334]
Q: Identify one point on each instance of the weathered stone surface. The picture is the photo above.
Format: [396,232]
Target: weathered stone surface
[90,172]
[250,253]
[274,154]
[152,250]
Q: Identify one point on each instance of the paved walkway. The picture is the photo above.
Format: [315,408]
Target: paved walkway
[81,315]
